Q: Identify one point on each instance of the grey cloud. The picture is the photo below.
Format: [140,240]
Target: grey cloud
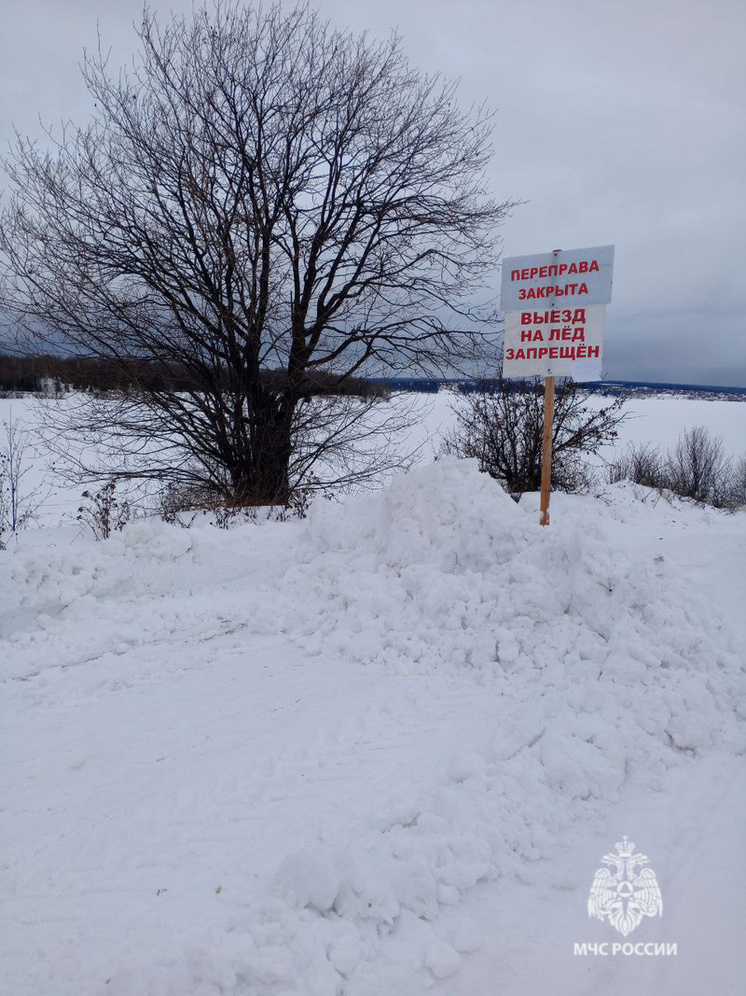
[618,122]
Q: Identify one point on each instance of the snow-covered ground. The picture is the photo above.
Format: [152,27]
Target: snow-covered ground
[659,420]
[379,751]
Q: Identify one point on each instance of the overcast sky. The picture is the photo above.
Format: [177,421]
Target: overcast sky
[618,122]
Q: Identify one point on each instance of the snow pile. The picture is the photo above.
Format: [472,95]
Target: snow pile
[612,665]
[443,569]
[533,674]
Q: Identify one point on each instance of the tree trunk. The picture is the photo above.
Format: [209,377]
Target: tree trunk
[261,475]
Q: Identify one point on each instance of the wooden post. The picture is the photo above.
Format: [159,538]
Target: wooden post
[546,450]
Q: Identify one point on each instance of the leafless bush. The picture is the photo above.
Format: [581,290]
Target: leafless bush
[738,484]
[502,426]
[643,464]
[104,511]
[181,504]
[696,467]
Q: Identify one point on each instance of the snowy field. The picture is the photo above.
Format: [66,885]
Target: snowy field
[659,420]
[381,751]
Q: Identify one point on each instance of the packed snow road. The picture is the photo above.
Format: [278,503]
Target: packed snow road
[379,751]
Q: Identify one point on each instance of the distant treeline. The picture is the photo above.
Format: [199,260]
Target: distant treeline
[59,374]
[608,387]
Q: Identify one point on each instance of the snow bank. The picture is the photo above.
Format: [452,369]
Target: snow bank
[444,569]
[578,667]
[616,668]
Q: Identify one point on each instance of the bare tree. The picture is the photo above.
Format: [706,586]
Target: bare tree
[502,426]
[19,501]
[258,192]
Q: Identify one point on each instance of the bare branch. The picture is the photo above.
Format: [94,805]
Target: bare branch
[259,191]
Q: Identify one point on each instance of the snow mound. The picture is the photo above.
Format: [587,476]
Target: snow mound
[446,515]
[563,664]
[444,569]
[607,670]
